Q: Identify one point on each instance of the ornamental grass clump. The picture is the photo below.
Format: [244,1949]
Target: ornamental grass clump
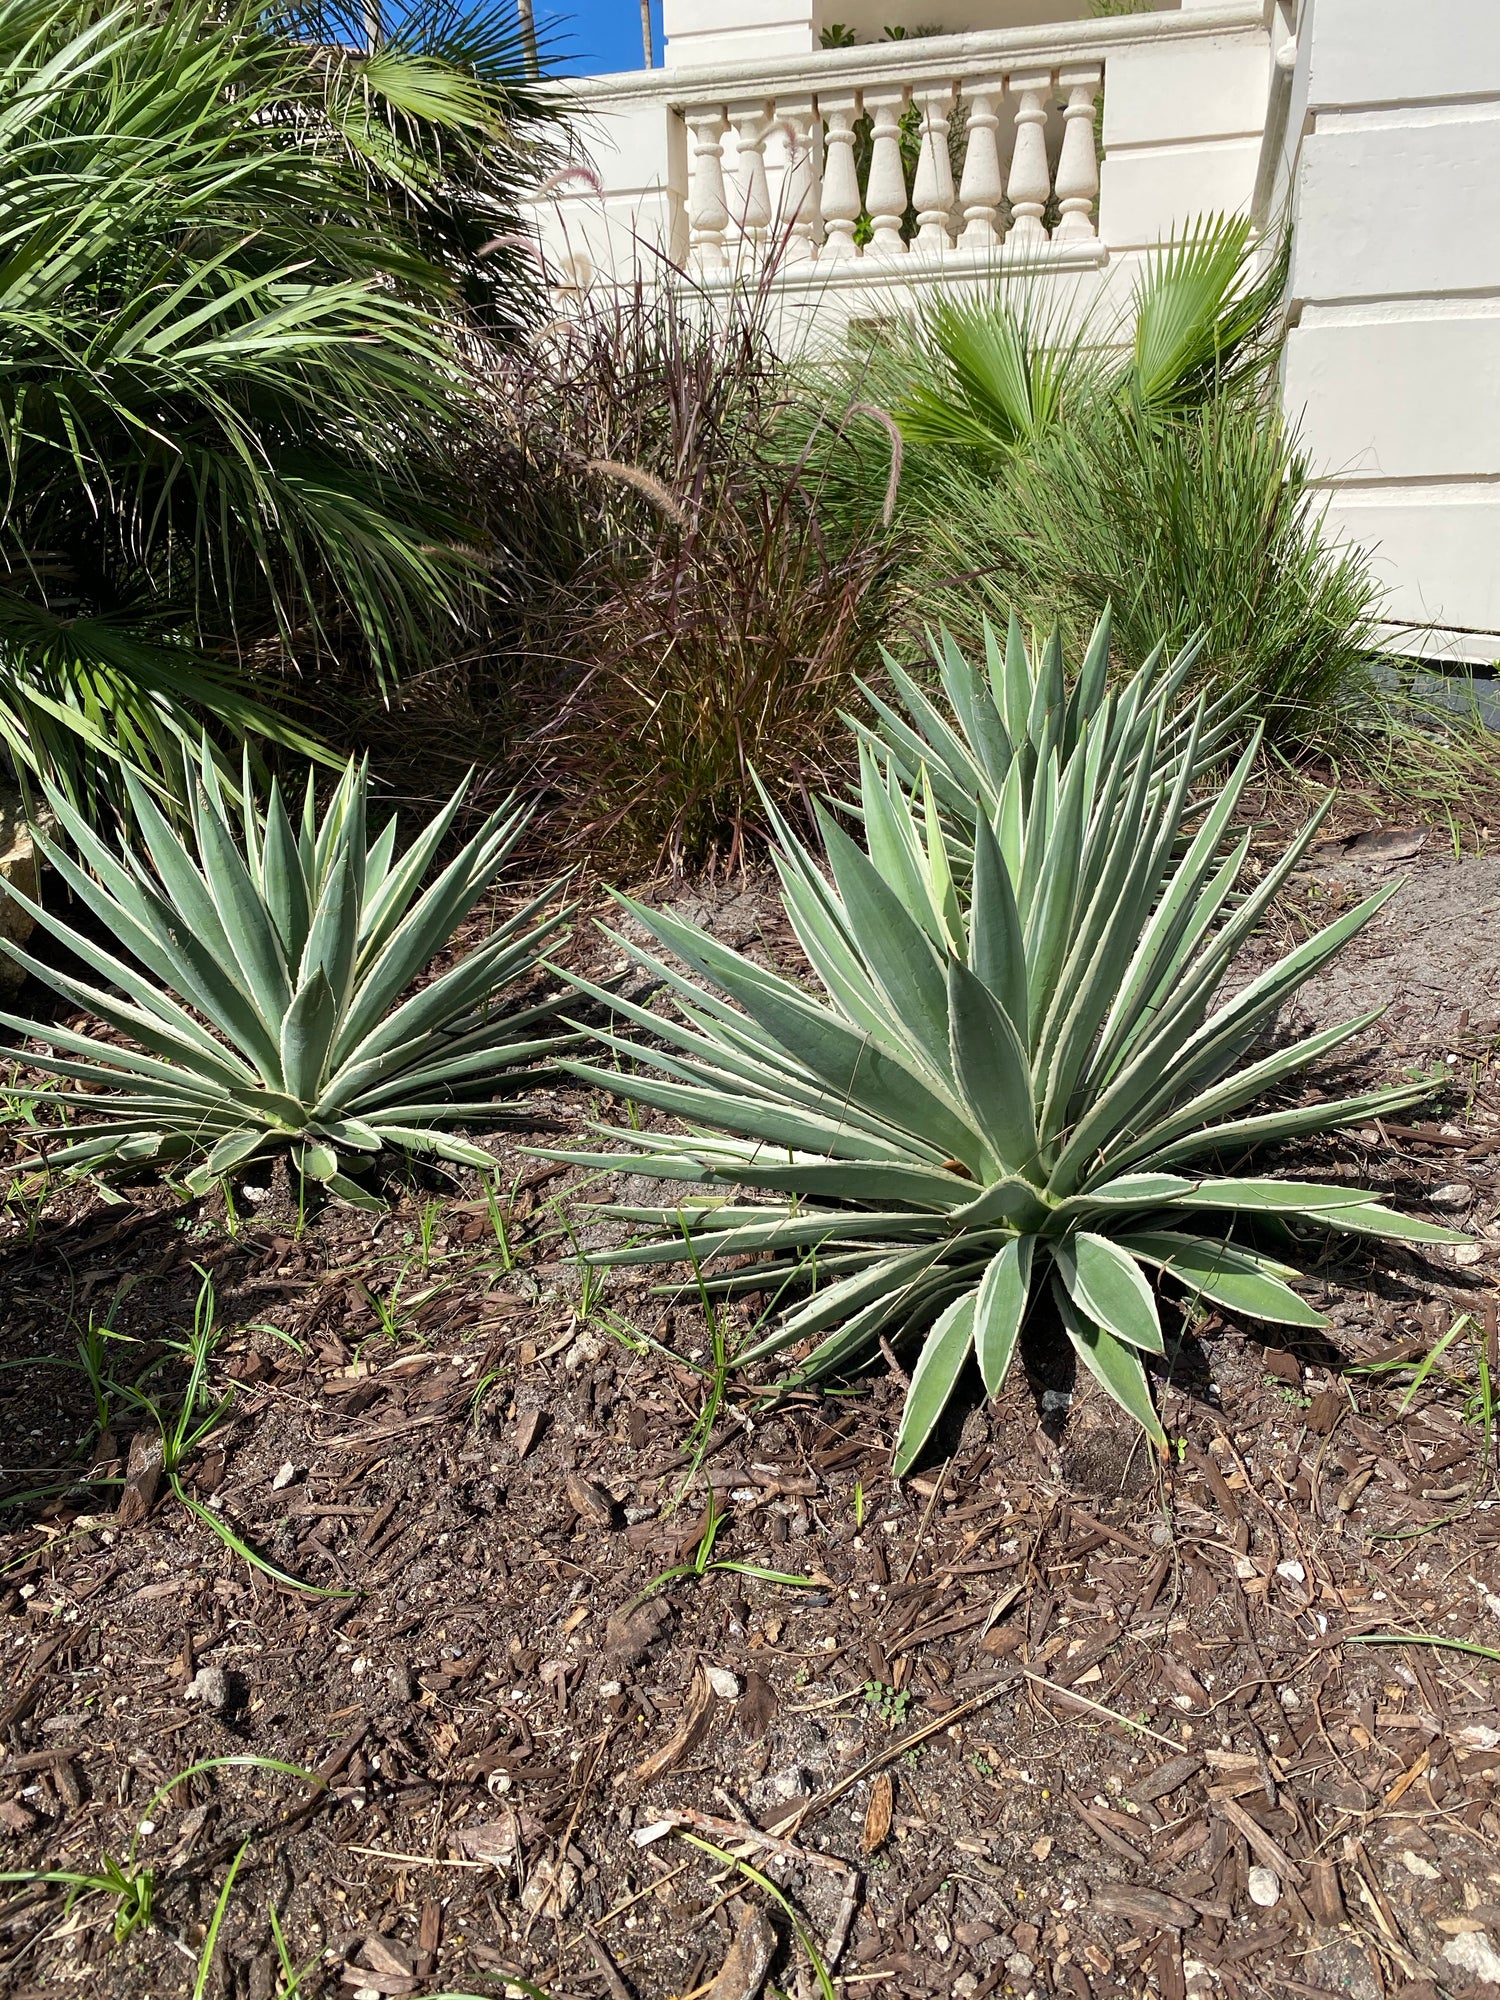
[1016,1089]
[266,999]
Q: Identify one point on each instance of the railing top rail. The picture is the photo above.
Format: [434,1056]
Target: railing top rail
[919,58]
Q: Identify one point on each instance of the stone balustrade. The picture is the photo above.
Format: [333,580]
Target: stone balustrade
[951,159]
[862,178]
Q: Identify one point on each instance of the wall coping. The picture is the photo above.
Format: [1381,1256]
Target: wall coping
[893,62]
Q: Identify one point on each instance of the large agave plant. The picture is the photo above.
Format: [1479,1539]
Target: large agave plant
[262,995]
[1022,1088]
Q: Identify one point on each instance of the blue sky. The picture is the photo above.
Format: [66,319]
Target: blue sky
[589,37]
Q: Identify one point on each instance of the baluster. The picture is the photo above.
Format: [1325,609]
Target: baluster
[752,202]
[1030,176]
[708,215]
[799,187]
[982,188]
[932,196]
[841,202]
[885,193]
[1078,162]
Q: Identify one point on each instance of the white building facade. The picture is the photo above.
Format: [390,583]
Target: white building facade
[1067,146]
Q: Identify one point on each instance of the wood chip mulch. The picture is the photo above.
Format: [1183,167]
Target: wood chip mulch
[1043,1719]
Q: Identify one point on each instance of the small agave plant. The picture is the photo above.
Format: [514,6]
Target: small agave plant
[1020,1089]
[262,995]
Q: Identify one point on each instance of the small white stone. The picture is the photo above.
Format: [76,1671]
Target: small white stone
[1424,1871]
[1292,1571]
[286,1472]
[209,1685]
[1244,1569]
[1290,1698]
[1265,1888]
[1473,1953]
[607,1688]
[724,1684]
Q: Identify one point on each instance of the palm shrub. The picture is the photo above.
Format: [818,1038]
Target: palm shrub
[1210,523]
[265,1004]
[1063,465]
[245,272]
[1014,1089]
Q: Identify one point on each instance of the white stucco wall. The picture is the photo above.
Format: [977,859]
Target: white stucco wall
[711,31]
[1393,360]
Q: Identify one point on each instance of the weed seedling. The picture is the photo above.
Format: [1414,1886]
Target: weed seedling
[705,1561]
[427,1222]
[763,1882]
[292,1975]
[889,1703]
[1440,1367]
[131,1883]
[185,1429]
[215,1924]
[500,1215]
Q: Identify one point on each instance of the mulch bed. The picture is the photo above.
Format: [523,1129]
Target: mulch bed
[1043,1719]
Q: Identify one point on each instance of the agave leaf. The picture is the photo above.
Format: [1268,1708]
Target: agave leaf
[332,933]
[1329,1116]
[1230,1277]
[1238,1089]
[900,957]
[307,1031]
[1115,1365]
[990,1067]
[1107,1286]
[895,849]
[944,1352]
[885,1283]
[1000,1309]
[1010,1202]
[997,950]
[283,883]
[1266,1197]
[920,1301]
[1369,1218]
[233,1151]
[246,922]
[352,1193]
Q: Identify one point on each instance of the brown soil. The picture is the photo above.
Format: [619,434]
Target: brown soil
[1040,1720]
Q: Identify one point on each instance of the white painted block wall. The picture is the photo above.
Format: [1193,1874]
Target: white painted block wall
[1393,362]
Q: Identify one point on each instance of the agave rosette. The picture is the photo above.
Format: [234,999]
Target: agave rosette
[266,994]
[1023,1087]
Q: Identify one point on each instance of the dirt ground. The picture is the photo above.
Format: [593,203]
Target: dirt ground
[1040,1720]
